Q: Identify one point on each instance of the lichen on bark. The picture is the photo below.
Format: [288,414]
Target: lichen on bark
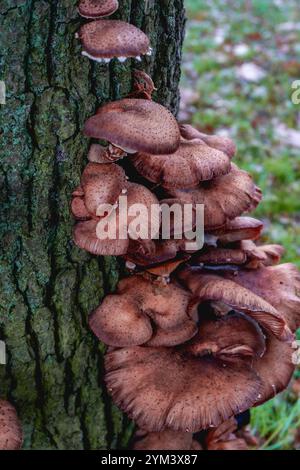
[54,370]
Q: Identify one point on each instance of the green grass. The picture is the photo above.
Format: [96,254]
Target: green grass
[250,113]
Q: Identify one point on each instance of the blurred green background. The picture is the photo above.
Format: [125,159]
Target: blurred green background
[241,58]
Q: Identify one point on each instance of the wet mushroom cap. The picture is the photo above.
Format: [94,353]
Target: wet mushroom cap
[193,162]
[113,38]
[11,436]
[169,388]
[97,8]
[224,198]
[135,125]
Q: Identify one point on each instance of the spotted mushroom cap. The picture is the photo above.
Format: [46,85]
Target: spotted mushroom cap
[143,310]
[135,125]
[224,198]
[224,144]
[174,388]
[211,287]
[11,435]
[105,39]
[97,8]
[194,161]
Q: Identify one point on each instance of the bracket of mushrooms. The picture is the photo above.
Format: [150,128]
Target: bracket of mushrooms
[194,339]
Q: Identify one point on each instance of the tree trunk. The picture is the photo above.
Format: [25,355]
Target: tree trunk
[54,371]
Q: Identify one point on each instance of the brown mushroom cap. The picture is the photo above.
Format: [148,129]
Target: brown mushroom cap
[113,38]
[224,144]
[97,8]
[194,161]
[171,388]
[275,368]
[136,125]
[85,237]
[240,228]
[224,198]
[124,319]
[208,287]
[166,440]
[11,436]
[278,285]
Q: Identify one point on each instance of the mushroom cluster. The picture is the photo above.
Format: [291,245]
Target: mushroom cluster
[195,337]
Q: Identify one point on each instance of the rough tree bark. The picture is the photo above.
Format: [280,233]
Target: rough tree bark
[54,370]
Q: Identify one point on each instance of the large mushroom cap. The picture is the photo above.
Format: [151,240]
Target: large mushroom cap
[224,144]
[11,436]
[194,161]
[172,388]
[224,198]
[97,8]
[135,125]
[105,39]
[207,287]
[142,310]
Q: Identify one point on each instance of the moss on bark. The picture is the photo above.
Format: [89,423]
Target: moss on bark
[54,372]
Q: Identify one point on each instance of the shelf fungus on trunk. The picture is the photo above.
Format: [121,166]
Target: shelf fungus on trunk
[104,40]
[193,386]
[11,435]
[135,125]
[97,8]
[144,311]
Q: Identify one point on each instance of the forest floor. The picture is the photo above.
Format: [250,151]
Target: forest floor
[241,58]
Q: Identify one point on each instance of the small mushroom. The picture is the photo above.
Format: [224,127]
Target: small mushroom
[97,8]
[135,125]
[224,437]
[209,287]
[224,198]
[100,154]
[144,311]
[224,144]
[238,229]
[11,435]
[184,388]
[102,40]
[193,162]
[143,86]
